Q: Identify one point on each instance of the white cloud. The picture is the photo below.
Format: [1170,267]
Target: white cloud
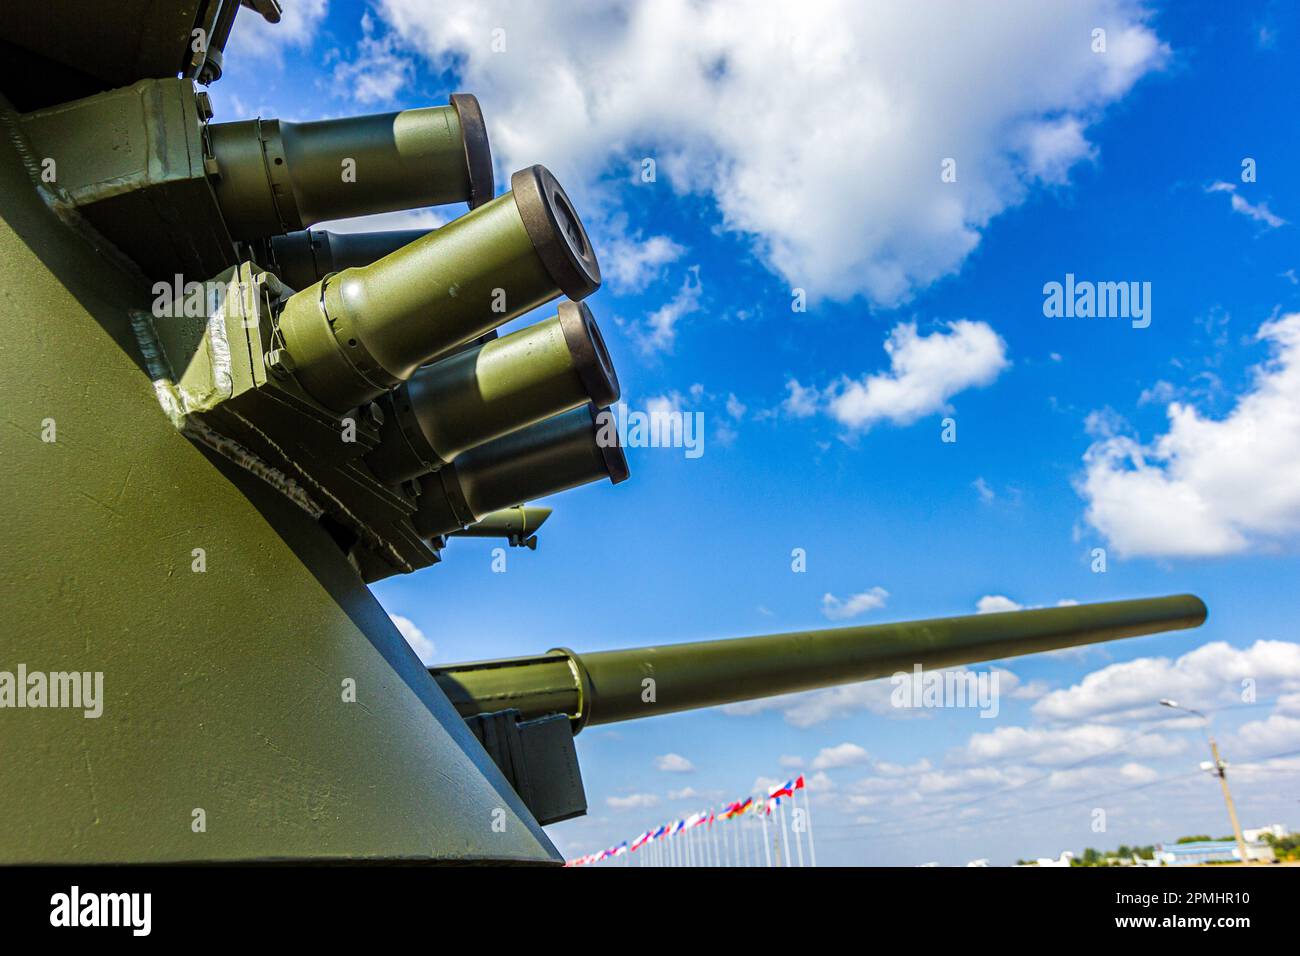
[808,708]
[982,487]
[996,604]
[631,263]
[299,23]
[888,769]
[924,372]
[1259,212]
[838,208]
[1210,673]
[842,610]
[735,407]
[379,69]
[800,402]
[422,646]
[1000,603]
[685,793]
[633,801]
[812,707]
[1052,148]
[1066,745]
[1207,486]
[841,755]
[674,763]
[1090,778]
[660,331]
[660,406]
[1278,733]
[384,221]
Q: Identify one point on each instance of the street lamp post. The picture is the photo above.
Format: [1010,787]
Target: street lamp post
[1220,769]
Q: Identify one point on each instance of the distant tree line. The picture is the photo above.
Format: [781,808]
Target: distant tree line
[1284,848]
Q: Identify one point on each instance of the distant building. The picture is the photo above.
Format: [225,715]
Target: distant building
[1211,851]
[1278,831]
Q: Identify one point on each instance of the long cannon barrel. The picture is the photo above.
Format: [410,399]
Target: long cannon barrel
[609,686]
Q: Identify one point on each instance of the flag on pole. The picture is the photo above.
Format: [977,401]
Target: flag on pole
[776,793]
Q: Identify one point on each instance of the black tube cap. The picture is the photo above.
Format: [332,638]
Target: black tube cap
[612,451]
[590,356]
[478,155]
[556,231]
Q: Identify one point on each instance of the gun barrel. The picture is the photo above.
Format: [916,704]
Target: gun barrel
[609,686]
[276,177]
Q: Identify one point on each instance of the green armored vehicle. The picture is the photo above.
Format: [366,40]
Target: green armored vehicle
[221,425]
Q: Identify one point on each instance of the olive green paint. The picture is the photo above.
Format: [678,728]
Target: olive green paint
[608,686]
[223,688]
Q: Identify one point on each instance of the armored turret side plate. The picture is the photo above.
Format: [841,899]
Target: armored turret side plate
[230,632]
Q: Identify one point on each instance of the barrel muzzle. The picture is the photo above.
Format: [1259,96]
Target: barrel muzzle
[360,332]
[562,452]
[488,391]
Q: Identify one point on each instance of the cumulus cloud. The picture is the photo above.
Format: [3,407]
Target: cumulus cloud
[1259,212]
[1090,778]
[1277,733]
[660,329]
[630,263]
[996,604]
[298,26]
[808,708]
[381,222]
[674,763]
[1211,673]
[422,646]
[1047,746]
[379,69]
[841,755]
[850,607]
[925,371]
[633,801]
[1207,486]
[800,401]
[1000,603]
[838,208]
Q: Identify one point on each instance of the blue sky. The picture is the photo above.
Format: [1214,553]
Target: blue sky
[808,156]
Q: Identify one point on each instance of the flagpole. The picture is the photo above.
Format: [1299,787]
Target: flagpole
[798,828]
[767,852]
[785,836]
[807,812]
